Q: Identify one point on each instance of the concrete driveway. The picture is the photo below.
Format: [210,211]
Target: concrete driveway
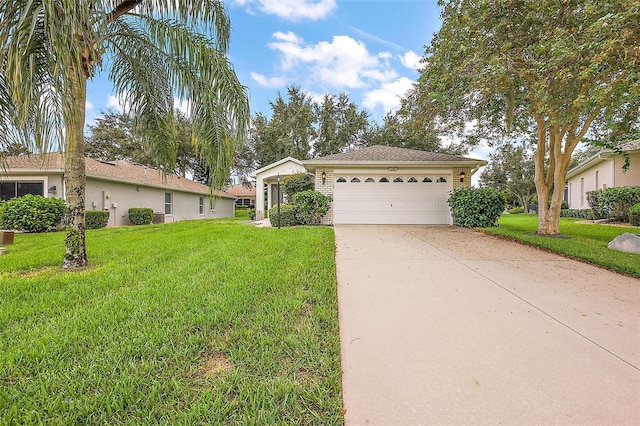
[443,325]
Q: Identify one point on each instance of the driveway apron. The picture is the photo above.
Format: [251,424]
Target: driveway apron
[443,325]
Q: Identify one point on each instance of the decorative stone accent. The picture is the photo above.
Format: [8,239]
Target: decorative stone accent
[626,242]
[326,189]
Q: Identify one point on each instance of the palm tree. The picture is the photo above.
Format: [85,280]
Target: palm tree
[153,50]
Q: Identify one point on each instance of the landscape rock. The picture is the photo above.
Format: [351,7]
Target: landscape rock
[626,242]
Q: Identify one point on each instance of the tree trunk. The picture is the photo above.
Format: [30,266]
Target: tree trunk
[75,176]
[552,179]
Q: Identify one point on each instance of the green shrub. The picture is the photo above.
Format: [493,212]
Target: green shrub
[564,205]
[614,203]
[293,184]
[477,208]
[578,213]
[32,213]
[252,214]
[516,210]
[310,207]
[634,214]
[287,215]
[140,215]
[96,219]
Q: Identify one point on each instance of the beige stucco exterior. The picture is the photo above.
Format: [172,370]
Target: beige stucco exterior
[116,187]
[600,172]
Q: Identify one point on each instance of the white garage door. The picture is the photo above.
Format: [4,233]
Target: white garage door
[412,199]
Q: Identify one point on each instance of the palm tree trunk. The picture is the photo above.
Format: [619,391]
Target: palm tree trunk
[75,176]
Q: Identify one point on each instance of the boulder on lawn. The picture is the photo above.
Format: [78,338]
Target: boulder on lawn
[626,242]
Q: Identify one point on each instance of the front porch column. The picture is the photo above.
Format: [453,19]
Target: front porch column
[269,191]
[259,198]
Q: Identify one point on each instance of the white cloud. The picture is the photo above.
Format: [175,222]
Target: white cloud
[340,63]
[268,81]
[388,95]
[116,102]
[88,106]
[411,60]
[294,10]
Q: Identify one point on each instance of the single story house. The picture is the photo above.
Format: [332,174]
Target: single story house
[245,194]
[601,171]
[378,184]
[116,186]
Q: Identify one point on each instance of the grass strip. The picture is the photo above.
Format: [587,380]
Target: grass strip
[583,241]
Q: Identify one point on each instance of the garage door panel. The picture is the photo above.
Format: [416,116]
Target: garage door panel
[391,202]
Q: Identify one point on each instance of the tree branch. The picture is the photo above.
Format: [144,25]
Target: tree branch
[122,8]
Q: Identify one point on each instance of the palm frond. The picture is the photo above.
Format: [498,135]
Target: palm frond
[153,60]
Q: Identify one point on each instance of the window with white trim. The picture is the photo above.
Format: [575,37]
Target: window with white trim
[201,206]
[12,189]
[168,203]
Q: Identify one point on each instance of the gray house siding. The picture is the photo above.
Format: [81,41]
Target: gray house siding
[118,198]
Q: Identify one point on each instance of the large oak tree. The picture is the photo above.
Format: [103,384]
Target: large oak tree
[557,69]
[152,50]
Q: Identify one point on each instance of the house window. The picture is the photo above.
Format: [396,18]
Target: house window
[11,189]
[341,180]
[398,179]
[441,180]
[412,180]
[427,180]
[355,180]
[384,179]
[201,206]
[370,180]
[168,203]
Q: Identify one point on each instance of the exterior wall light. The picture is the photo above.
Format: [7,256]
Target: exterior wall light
[324,177]
[462,175]
[52,189]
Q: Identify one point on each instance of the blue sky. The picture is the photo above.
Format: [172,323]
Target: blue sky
[368,49]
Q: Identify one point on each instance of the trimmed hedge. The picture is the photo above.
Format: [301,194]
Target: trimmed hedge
[578,213]
[516,210]
[634,214]
[287,215]
[140,215]
[477,207]
[96,219]
[310,207]
[32,213]
[614,203]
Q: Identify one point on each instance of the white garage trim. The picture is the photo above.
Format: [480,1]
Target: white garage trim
[365,198]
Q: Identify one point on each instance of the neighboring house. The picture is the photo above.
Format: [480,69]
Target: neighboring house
[245,194]
[379,184]
[603,170]
[116,187]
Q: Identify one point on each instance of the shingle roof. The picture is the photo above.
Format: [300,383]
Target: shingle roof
[241,190]
[119,170]
[387,154]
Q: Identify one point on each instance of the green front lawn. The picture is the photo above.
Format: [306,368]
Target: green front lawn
[199,322]
[587,242]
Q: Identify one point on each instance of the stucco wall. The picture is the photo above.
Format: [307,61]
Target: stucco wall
[606,173]
[102,195]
